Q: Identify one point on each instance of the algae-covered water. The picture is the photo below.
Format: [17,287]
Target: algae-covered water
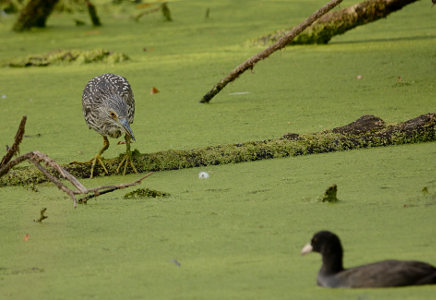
[237,234]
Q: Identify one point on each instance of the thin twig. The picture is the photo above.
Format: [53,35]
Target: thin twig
[249,63]
[86,198]
[141,14]
[119,186]
[109,188]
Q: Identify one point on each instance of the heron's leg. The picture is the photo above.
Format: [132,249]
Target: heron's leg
[127,159]
[98,157]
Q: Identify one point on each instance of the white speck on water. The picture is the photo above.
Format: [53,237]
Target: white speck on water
[203,175]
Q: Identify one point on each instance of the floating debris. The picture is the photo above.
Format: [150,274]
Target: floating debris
[145,193]
[42,217]
[330,194]
[203,175]
[154,91]
[176,262]
[425,190]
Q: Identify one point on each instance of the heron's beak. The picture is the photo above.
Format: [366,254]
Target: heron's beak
[306,249]
[127,129]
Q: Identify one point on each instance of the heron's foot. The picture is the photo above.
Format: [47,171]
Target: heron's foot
[125,162]
[100,161]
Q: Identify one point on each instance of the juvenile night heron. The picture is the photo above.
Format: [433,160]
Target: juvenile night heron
[109,107]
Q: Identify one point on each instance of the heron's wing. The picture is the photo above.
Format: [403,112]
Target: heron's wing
[90,102]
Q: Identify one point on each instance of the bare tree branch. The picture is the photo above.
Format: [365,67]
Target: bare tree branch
[110,188]
[37,158]
[282,42]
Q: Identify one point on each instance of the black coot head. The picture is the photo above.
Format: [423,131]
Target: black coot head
[324,242]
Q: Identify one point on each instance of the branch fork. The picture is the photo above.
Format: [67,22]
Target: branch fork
[42,162]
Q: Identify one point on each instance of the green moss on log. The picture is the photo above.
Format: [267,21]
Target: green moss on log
[340,21]
[366,132]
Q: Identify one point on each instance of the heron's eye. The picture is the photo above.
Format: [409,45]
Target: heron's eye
[113,115]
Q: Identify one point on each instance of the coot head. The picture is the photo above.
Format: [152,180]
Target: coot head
[324,242]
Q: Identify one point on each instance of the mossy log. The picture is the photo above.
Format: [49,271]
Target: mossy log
[366,132]
[34,14]
[65,56]
[340,21]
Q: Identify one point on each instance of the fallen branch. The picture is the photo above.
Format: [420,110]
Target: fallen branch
[38,158]
[338,22]
[286,39]
[366,132]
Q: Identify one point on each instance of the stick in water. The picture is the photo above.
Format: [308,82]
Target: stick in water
[249,63]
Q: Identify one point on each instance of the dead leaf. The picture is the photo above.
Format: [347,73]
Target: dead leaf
[154,91]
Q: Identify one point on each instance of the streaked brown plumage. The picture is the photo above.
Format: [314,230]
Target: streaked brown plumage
[109,107]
